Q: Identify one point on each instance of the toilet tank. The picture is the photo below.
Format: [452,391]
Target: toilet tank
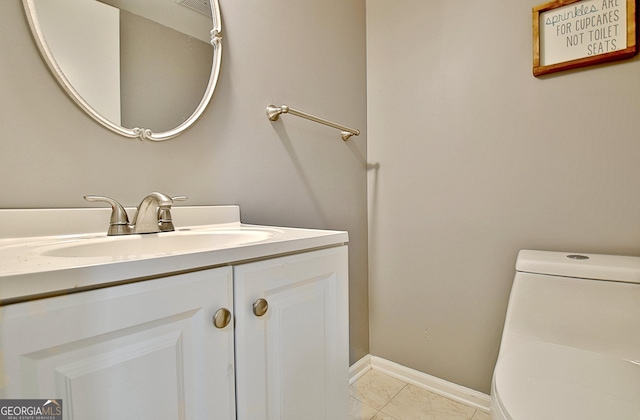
[586,301]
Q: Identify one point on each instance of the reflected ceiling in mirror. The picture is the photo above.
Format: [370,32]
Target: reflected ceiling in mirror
[142,68]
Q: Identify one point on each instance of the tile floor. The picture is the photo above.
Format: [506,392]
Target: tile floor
[376,396]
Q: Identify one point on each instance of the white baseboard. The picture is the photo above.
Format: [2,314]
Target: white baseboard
[359,368]
[436,385]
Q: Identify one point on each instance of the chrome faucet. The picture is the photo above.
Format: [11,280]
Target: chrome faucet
[152,215]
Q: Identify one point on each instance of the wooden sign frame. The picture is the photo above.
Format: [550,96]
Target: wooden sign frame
[579,35]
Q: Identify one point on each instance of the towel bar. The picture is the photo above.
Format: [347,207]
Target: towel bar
[273,113]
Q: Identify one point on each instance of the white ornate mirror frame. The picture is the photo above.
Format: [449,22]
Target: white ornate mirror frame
[136,132]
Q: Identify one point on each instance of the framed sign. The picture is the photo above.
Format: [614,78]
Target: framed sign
[574,33]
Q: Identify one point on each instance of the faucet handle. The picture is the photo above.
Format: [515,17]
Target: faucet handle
[165,220]
[119,222]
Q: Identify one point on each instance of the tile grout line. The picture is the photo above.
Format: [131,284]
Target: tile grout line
[399,391]
[391,399]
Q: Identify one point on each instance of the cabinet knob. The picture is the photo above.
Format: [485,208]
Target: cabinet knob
[260,307]
[222,318]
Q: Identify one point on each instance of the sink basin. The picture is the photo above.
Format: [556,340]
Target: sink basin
[165,243]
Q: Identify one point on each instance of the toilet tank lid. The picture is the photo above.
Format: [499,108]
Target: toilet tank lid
[586,266]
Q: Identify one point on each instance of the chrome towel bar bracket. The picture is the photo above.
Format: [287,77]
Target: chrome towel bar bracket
[273,113]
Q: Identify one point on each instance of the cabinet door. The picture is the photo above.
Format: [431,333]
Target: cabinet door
[292,362]
[146,350]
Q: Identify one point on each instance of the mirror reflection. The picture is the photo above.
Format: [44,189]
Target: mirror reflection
[144,68]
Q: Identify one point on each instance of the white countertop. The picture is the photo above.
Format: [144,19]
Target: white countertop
[27,272]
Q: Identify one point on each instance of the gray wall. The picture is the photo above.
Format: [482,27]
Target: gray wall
[475,160]
[307,54]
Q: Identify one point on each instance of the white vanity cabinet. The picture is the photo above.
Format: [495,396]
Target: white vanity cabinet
[292,355]
[149,350]
[145,350]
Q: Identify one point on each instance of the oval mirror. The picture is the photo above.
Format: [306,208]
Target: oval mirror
[142,68]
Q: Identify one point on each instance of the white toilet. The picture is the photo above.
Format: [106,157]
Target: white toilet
[571,341]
